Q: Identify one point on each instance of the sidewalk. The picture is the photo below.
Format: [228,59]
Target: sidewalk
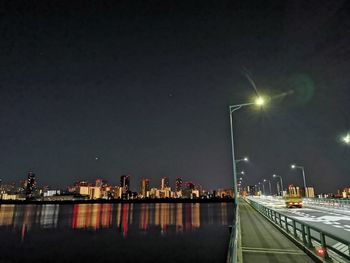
[262,242]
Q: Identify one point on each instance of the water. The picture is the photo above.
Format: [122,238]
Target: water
[115,232]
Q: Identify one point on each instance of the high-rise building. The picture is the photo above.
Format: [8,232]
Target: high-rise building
[125,185]
[178,184]
[30,184]
[144,187]
[164,183]
[100,182]
[189,185]
[294,190]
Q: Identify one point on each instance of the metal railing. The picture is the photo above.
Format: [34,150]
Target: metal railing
[343,204]
[320,242]
[234,254]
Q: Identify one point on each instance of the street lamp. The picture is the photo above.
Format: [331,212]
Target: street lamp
[294,166]
[346,139]
[269,185]
[277,176]
[263,187]
[259,102]
[245,159]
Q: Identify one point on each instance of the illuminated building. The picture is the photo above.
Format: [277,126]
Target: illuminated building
[153,193]
[187,191]
[189,186]
[225,193]
[178,187]
[94,192]
[125,185]
[310,192]
[294,190]
[344,193]
[117,192]
[30,185]
[84,190]
[100,183]
[164,183]
[178,184]
[195,194]
[144,187]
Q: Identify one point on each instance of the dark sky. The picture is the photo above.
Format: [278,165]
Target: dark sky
[145,87]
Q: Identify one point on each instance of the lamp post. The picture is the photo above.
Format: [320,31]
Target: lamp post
[263,188]
[259,101]
[294,166]
[265,180]
[281,181]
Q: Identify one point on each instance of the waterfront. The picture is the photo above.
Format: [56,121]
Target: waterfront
[174,232]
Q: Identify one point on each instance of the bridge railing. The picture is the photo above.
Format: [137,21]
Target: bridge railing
[234,254]
[343,204]
[320,242]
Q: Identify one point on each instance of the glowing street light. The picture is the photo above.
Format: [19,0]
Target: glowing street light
[277,176]
[294,166]
[244,159]
[259,101]
[346,139]
[265,180]
[263,187]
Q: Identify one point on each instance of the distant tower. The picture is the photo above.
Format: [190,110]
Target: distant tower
[125,185]
[30,185]
[144,187]
[164,183]
[178,184]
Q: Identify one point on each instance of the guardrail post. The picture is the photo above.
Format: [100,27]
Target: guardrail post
[309,241]
[303,234]
[280,220]
[295,229]
[324,245]
[275,219]
[286,224]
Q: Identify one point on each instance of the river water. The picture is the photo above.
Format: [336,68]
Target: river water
[161,232]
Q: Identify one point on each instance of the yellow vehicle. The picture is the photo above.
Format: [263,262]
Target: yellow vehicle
[293,202]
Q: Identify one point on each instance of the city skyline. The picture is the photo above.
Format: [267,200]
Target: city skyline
[100,188]
[144,88]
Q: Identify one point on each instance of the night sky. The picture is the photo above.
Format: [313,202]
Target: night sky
[105,88]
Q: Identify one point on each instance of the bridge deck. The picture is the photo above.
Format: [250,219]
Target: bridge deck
[262,242]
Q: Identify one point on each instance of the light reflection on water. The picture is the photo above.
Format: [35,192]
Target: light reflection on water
[184,217]
[145,232]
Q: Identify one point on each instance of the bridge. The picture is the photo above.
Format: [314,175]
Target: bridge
[267,231]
